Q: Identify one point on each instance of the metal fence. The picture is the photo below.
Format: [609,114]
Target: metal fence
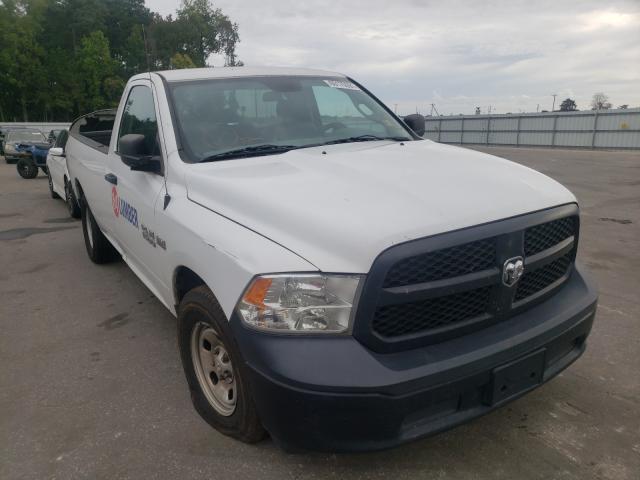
[44,127]
[589,129]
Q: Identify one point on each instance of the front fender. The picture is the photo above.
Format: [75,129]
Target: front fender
[225,254]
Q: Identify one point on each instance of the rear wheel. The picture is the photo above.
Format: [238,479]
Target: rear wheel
[98,247]
[214,368]
[51,191]
[26,168]
[70,200]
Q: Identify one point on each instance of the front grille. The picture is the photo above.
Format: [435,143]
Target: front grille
[546,235]
[441,264]
[403,319]
[419,293]
[539,279]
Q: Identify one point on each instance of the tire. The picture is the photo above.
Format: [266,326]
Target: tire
[70,200]
[27,169]
[200,318]
[53,194]
[98,247]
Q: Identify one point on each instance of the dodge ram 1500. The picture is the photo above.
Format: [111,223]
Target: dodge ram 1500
[338,281]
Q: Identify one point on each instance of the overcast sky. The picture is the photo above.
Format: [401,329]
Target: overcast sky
[457,54]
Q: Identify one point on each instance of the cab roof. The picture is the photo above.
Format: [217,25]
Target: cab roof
[230,72]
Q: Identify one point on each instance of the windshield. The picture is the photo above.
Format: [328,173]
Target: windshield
[25,136]
[223,115]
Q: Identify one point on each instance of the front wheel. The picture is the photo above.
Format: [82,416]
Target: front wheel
[27,169]
[98,247]
[70,200]
[214,368]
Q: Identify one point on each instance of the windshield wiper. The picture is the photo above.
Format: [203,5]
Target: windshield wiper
[252,151]
[366,138]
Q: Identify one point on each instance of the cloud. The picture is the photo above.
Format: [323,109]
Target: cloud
[509,54]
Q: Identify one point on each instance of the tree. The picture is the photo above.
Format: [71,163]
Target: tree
[180,60]
[568,105]
[600,101]
[22,81]
[206,30]
[95,68]
[62,58]
[624,106]
[134,59]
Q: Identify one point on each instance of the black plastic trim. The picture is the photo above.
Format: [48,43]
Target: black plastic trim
[509,234]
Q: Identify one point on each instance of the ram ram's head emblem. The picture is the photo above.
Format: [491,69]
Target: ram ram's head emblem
[512,271]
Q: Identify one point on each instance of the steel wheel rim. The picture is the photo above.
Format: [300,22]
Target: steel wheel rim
[213,368]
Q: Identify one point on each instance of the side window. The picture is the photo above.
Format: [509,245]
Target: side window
[139,118]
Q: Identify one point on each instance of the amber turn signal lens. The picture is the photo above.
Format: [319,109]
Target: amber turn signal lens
[258,290]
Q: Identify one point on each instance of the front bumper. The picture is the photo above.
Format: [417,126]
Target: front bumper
[16,155]
[333,394]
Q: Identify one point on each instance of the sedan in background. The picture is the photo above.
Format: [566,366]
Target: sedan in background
[16,141]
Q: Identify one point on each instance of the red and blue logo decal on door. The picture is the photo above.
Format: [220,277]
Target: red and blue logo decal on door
[122,208]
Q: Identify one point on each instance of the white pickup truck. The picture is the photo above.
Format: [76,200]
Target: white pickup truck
[338,281]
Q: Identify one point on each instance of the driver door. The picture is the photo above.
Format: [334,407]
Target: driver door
[135,194]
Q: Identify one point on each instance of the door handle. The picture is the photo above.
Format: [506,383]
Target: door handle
[111,178]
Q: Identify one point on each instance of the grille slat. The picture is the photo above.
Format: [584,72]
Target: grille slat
[546,235]
[395,320]
[449,310]
[442,264]
[539,279]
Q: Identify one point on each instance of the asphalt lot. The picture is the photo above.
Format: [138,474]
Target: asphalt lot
[91,384]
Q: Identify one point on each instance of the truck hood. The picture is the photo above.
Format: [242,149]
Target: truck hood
[340,206]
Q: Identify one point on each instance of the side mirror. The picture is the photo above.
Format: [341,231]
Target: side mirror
[416,122]
[56,151]
[135,154]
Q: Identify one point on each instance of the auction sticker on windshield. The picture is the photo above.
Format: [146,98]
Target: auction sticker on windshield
[343,84]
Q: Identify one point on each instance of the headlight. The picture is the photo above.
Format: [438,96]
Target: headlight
[299,303]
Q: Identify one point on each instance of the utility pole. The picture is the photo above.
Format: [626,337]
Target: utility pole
[554,95]
[538,108]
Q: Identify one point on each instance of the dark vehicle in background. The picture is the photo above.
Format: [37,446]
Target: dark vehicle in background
[35,158]
[29,147]
[16,140]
